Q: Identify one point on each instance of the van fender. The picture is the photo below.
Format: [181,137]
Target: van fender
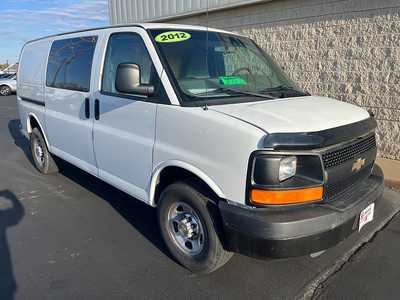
[186,166]
[29,128]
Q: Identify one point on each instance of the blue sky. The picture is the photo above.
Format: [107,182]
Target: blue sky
[23,20]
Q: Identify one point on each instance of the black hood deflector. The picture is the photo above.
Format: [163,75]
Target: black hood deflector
[319,139]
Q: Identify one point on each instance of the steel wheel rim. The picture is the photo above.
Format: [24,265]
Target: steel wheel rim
[38,152]
[186,229]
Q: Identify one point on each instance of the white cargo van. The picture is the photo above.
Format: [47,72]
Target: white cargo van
[205,126]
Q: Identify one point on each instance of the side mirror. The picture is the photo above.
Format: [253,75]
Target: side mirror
[127,81]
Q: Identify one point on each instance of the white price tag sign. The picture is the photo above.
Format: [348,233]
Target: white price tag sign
[366,216]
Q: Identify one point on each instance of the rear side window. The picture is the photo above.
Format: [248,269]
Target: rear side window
[32,68]
[70,63]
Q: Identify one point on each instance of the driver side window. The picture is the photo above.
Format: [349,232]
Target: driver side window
[126,47]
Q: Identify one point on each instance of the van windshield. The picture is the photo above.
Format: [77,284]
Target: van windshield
[208,67]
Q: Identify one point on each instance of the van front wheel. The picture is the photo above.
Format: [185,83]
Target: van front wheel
[42,158]
[190,227]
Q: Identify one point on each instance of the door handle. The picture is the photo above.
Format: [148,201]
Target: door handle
[97,109]
[87,108]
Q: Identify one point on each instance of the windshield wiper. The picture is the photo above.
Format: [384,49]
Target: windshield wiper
[236,91]
[285,88]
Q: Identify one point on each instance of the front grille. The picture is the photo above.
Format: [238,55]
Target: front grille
[337,157]
[336,189]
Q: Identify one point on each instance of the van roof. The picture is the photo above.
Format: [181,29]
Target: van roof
[141,25]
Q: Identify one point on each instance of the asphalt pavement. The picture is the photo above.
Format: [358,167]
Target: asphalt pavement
[373,272]
[72,236]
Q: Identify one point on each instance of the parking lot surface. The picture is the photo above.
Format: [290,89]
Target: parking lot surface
[72,236]
[372,273]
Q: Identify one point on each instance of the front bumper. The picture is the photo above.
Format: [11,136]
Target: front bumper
[298,230]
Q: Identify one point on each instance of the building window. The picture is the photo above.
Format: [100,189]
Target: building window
[70,63]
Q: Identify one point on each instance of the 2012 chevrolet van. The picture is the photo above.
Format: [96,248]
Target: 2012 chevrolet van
[205,126]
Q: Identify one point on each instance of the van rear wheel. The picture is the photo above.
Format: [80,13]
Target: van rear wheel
[42,158]
[189,224]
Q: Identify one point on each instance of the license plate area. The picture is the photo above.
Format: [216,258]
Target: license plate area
[366,216]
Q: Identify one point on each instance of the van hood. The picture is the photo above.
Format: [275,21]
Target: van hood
[299,114]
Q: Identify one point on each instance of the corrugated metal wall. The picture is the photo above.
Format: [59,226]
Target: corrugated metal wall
[131,11]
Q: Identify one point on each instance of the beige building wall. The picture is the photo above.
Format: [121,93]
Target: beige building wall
[349,50]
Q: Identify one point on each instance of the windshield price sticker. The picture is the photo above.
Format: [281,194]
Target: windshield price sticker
[172,37]
[232,80]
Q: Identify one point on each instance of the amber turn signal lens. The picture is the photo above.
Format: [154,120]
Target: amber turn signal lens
[274,197]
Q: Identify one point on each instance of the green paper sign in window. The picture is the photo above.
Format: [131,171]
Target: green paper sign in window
[232,80]
[172,37]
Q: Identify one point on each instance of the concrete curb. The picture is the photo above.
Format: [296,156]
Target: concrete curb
[391,169]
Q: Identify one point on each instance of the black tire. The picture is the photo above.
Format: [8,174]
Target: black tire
[42,158]
[189,194]
[5,90]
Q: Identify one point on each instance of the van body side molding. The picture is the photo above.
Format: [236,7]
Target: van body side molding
[37,102]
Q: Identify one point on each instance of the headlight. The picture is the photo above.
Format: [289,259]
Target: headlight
[287,167]
[280,179]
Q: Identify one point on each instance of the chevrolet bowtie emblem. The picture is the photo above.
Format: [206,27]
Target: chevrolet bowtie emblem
[358,164]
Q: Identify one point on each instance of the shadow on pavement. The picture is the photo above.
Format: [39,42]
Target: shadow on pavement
[141,216]
[9,216]
[19,139]
[137,213]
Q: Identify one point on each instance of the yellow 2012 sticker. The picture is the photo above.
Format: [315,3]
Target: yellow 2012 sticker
[172,37]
